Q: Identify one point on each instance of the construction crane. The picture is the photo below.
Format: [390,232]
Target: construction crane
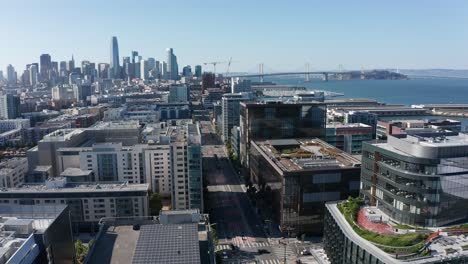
[229,65]
[214,64]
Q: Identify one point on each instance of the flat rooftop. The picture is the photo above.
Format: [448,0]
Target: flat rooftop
[116,245]
[152,243]
[350,125]
[306,155]
[62,134]
[127,124]
[176,244]
[438,140]
[77,188]
[18,222]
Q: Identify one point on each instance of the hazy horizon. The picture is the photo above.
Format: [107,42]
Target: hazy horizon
[282,35]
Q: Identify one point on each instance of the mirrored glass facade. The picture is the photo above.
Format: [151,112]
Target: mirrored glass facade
[418,180]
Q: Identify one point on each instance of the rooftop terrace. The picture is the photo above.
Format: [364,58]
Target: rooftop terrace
[306,154]
[391,242]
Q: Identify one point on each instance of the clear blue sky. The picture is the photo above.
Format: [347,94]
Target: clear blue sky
[284,35]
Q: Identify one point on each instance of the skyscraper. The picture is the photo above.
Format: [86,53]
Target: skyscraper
[187,71]
[71,65]
[164,70]
[198,71]
[33,74]
[103,70]
[151,63]
[46,67]
[114,59]
[63,69]
[172,67]
[144,70]
[134,55]
[9,106]
[11,75]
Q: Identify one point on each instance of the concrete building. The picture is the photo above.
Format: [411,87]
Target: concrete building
[173,237]
[211,96]
[9,106]
[393,127]
[179,93]
[239,85]
[171,165]
[36,234]
[10,124]
[44,154]
[362,117]
[88,202]
[235,141]
[295,177]
[63,93]
[348,137]
[13,172]
[230,115]
[82,92]
[32,135]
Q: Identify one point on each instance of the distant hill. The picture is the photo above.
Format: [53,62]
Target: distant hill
[434,72]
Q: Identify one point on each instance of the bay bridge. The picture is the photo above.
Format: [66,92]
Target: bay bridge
[306,73]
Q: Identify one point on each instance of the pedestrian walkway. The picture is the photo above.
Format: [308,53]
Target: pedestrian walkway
[242,244]
[279,251]
[258,261]
[269,261]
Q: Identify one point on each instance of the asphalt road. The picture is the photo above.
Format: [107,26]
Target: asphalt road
[231,211]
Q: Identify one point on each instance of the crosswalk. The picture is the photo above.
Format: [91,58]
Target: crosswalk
[243,244]
[269,261]
[258,261]
[279,251]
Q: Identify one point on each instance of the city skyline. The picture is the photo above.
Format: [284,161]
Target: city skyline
[369,35]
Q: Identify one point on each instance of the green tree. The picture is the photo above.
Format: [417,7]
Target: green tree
[81,250]
[155,203]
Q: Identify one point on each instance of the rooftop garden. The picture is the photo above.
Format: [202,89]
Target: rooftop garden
[391,243]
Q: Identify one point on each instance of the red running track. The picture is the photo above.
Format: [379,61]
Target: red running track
[374,227]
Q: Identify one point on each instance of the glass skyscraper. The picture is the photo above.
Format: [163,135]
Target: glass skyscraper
[172,67]
[114,59]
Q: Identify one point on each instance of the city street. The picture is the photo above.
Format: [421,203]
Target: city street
[241,233]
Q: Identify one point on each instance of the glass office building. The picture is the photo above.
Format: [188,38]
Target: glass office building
[279,120]
[418,180]
[295,178]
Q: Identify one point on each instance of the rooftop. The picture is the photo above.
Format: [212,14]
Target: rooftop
[350,125]
[442,244]
[168,244]
[57,186]
[62,134]
[183,239]
[434,145]
[18,222]
[75,172]
[305,154]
